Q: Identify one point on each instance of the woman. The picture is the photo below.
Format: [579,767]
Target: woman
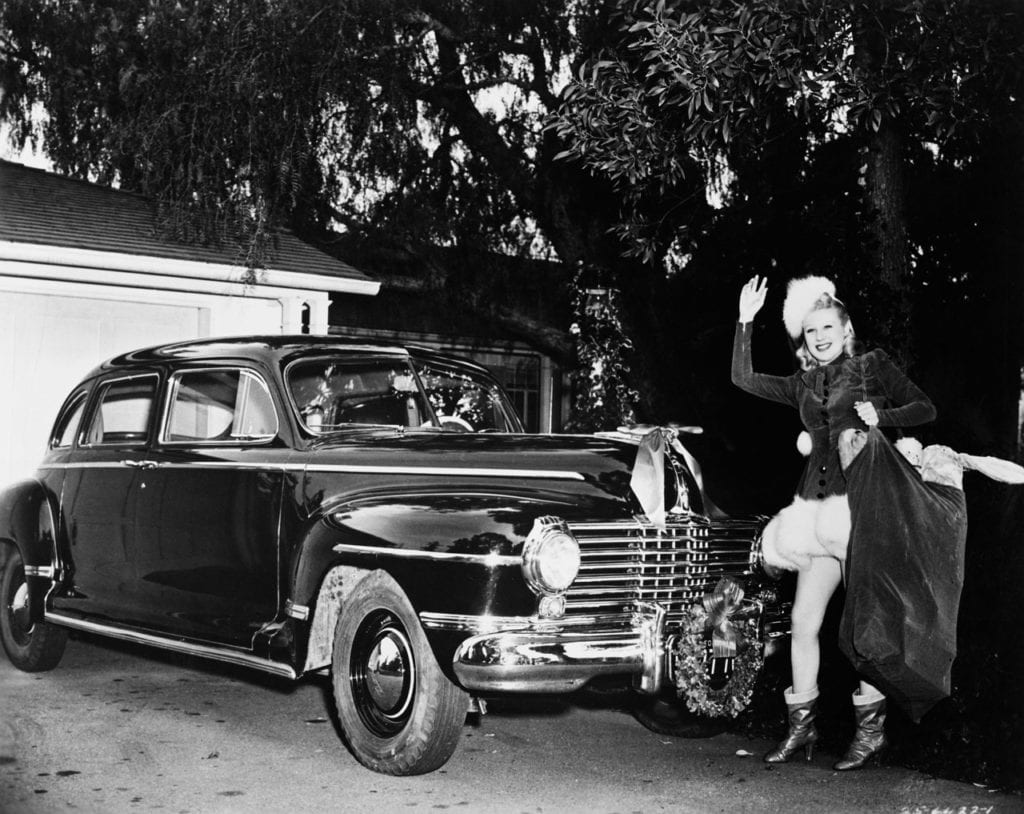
[835,390]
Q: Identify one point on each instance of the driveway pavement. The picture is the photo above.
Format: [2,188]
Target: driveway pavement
[121,729]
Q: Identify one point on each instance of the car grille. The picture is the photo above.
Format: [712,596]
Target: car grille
[626,562]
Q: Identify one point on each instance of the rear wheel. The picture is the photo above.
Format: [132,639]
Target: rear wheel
[399,712]
[31,646]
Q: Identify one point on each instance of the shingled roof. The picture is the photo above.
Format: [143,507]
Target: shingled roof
[41,207]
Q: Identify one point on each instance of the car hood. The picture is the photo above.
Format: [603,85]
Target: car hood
[585,455]
[565,463]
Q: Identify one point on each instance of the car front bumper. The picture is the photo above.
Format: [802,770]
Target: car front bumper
[510,654]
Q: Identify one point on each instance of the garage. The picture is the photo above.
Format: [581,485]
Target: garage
[83,277]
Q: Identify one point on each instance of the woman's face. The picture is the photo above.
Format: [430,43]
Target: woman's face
[823,334]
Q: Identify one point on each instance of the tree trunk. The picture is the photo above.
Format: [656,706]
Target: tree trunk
[884,192]
[886,200]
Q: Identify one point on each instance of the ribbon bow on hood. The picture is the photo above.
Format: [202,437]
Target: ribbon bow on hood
[648,478]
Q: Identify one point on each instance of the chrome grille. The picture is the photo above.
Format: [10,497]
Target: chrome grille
[625,562]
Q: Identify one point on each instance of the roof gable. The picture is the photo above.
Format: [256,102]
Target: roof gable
[45,208]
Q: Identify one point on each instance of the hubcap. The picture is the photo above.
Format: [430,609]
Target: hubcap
[383,674]
[18,613]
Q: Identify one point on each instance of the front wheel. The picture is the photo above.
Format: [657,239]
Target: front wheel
[398,711]
[667,714]
[31,646]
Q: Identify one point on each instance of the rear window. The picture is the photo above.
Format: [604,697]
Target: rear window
[68,421]
[123,413]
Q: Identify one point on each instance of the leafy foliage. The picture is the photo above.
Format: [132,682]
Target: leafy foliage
[603,397]
[243,116]
[705,81]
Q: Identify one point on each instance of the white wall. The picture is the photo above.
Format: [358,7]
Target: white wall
[53,332]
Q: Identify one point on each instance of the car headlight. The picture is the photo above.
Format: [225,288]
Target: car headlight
[551,556]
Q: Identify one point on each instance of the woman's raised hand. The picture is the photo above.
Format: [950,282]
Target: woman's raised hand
[752,297]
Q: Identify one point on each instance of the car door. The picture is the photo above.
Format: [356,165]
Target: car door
[207,515]
[98,506]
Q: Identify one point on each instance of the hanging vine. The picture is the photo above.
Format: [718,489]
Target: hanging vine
[602,396]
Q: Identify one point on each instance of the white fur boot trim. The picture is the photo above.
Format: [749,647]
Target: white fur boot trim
[799,697]
[864,700]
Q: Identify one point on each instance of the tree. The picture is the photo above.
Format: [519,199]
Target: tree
[411,124]
[717,81]
[419,128]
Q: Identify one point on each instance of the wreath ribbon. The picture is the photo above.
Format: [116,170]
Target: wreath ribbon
[719,604]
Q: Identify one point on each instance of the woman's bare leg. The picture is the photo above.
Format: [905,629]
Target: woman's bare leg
[814,588]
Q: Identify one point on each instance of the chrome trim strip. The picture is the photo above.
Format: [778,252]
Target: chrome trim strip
[296,611]
[474,623]
[201,650]
[39,571]
[451,471]
[489,560]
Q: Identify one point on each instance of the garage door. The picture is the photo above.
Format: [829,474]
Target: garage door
[49,341]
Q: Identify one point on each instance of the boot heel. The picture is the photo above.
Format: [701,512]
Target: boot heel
[809,751]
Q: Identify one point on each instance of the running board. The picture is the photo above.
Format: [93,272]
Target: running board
[201,650]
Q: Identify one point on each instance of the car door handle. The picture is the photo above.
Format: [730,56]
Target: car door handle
[140,464]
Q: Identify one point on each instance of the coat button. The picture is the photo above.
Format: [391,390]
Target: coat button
[824,469]
[821,483]
[821,495]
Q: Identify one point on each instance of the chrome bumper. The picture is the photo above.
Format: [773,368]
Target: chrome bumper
[528,654]
[541,656]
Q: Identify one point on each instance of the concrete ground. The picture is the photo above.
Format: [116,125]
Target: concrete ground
[122,729]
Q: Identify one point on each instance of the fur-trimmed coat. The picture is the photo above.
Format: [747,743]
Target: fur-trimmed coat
[825,398]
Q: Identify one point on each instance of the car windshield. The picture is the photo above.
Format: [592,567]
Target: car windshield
[332,393]
[465,400]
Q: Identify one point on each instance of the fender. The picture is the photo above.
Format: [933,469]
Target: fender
[27,521]
[450,553]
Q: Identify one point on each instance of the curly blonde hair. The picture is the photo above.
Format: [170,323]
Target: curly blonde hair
[825,301]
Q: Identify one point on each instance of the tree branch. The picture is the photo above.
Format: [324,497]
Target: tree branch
[477,132]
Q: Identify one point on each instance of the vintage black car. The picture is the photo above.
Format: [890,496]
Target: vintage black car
[305,504]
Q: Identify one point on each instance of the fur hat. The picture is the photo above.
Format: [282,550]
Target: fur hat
[801,294]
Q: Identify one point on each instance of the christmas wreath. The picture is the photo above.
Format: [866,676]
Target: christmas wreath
[693,653]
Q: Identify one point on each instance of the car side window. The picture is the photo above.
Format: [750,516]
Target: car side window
[68,421]
[122,414]
[221,406]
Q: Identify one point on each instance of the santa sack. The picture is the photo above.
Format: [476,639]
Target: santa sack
[904,574]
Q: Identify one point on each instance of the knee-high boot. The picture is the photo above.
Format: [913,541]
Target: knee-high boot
[802,708]
[869,739]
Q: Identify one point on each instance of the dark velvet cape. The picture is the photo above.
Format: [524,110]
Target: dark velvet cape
[904,573]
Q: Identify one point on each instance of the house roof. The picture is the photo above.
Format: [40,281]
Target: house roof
[40,207]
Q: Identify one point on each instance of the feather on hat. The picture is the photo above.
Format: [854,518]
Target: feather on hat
[801,294]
